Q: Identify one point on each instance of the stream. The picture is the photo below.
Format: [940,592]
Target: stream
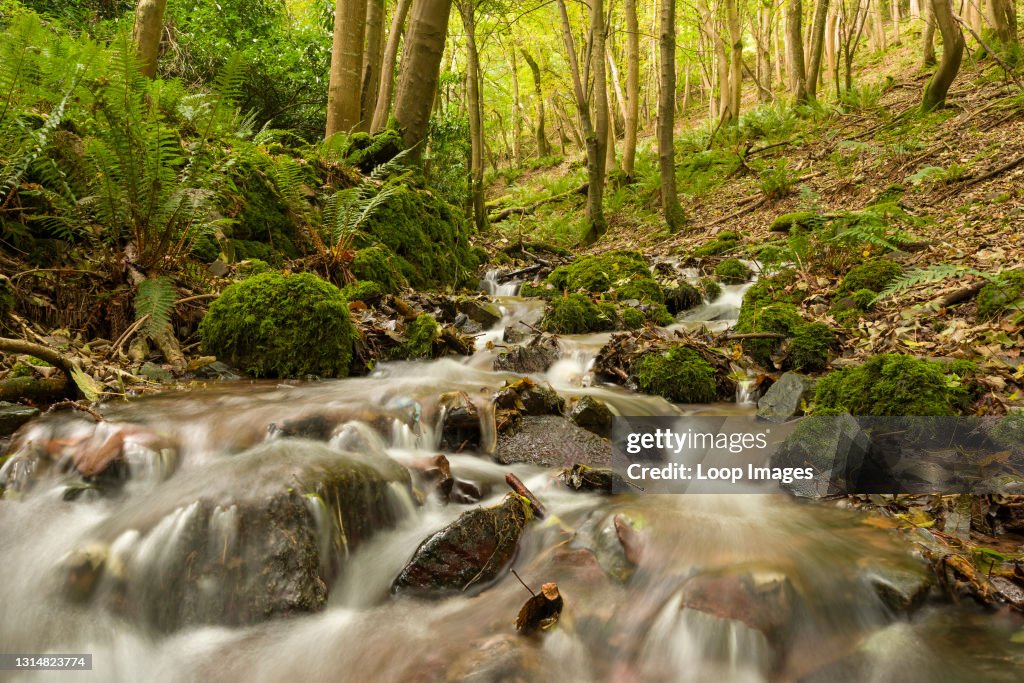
[155,584]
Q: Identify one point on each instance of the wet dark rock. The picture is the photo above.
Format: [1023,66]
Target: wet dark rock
[466,492]
[535,357]
[529,398]
[461,427]
[599,534]
[470,552]
[901,588]
[154,372]
[315,427]
[261,534]
[552,441]
[783,400]
[479,311]
[514,334]
[13,416]
[217,370]
[763,600]
[834,447]
[433,475]
[596,479]
[593,415]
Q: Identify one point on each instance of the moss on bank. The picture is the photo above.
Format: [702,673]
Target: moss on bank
[275,325]
[680,375]
[1004,293]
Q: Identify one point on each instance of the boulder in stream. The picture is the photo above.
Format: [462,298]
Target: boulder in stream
[13,416]
[529,398]
[245,538]
[552,441]
[593,415]
[835,447]
[461,427]
[478,310]
[535,357]
[470,552]
[784,398]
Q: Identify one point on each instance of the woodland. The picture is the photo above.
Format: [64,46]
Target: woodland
[420,215]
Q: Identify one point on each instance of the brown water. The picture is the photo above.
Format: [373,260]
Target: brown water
[785,589]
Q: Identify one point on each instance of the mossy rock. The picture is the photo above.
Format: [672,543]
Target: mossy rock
[368,152]
[420,336]
[363,290]
[766,291]
[603,272]
[733,271]
[871,275]
[632,319]
[1004,293]
[893,385]
[275,325]
[804,220]
[778,318]
[722,243]
[682,297]
[374,264]
[644,290]
[680,375]
[542,291]
[576,314]
[712,290]
[428,237]
[809,347]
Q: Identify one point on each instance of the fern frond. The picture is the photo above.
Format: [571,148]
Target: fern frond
[155,298]
[923,276]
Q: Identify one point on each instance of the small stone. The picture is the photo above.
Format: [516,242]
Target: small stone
[593,415]
[13,416]
[784,399]
[535,357]
[461,427]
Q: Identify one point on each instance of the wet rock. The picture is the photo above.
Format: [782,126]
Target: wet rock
[499,659]
[596,479]
[13,416]
[461,427]
[552,441]
[156,373]
[466,492]
[433,475]
[315,427]
[783,400]
[513,335]
[900,588]
[479,311]
[217,370]
[470,552]
[261,534]
[764,600]
[599,534]
[835,447]
[535,357]
[529,398]
[593,415]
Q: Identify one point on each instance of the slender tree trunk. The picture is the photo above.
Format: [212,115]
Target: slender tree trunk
[632,87]
[894,14]
[674,216]
[594,133]
[346,66]
[831,56]
[543,147]
[148,29]
[795,51]
[382,105]
[372,61]
[467,8]
[928,58]
[517,110]
[732,11]
[877,25]
[817,47]
[1002,16]
[952,53]
[421,64]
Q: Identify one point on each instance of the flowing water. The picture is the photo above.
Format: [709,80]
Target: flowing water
[715,587]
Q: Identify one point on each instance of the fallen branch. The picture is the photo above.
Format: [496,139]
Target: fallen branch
[516,273]
[959,296]
[517,485]
[35,389]
[524,210]
[45,353]
[76,405]
[1008,166]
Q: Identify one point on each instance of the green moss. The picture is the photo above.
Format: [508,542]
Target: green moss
[274,325]
[766,291]
[659,315]
[206,249]
[642,289]
[542,291]
[428,237]
[712,290]
[871,275]
[481,255]
[722,243]
[247,250]
[600,273]
[683,297]
[805,220]
[575,314]
[375,264]
[362,290]
[1004,293]
[864,299]
[253,267]
[732,271]
[680,375]
[893,385]
[368,152]
[559,278]
[632,319]
[778,318]
[420,336]
[809,347]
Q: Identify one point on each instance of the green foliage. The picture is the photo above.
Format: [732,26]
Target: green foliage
[806,220]
[863,299]
[154,300]
[1004,293]
[777,181]
[680,375]
[632,319]
[929,275]
[777,288]
[420,336]
[722,243]
[368,152]
[893,385]
[575,314]
[274,325]
[776,318]
[937,175]
[448,152]
[732,271]
[873,275]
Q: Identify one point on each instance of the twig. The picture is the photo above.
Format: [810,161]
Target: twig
[76,405]
[1008,166]
[516,574]
[517,485]
[116,348]
[197,297]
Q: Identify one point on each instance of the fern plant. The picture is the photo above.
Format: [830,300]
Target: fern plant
[154,301]
[923,276]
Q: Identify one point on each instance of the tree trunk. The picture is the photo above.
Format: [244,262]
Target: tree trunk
[952,53]
[595,204]
[817,47]
[632,87]
[543,147]
[467,8]
[372,62]
[420,71]
[928,58]
[382,104]
[594,137]
[674,217]
[795,50]
[735,57]
[894,13]
[148,29]
[517,110]
[343,100]
[1002,16]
